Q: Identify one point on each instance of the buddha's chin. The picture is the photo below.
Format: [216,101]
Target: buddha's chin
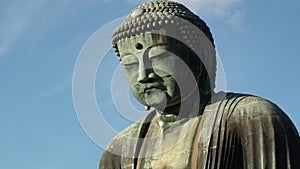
[156,98]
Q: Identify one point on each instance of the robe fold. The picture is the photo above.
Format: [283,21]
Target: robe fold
[236,132]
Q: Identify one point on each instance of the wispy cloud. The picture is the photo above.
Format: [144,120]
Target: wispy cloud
[236,19]
[225,10]
[216,8]
[3,48]
[52,90]
[12,26]
[20,18]
[16,17]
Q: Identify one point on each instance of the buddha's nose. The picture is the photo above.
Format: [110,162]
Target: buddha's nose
[145,73]
[142,76]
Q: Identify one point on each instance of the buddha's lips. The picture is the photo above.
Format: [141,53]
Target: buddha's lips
[146,87]
[147,90]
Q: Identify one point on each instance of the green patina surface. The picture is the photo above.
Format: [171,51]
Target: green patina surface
[191,126]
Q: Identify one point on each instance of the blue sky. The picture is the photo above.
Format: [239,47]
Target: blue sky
[41,40]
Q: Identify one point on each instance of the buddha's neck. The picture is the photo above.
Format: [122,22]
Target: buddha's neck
[190,107]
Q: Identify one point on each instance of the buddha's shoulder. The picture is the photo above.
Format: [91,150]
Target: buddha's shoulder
[244,111]
[237,104]
[133,130]
[127,136]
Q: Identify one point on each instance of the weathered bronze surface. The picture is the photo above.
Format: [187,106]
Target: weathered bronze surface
[171,67]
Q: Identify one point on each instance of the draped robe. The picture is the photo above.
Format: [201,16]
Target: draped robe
[237,132]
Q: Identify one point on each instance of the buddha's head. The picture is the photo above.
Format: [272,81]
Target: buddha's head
[167,53]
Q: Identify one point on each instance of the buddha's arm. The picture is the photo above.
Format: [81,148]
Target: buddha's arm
[109,161]
[268,137]
[111,156]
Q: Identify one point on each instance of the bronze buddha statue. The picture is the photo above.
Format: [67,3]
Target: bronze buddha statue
[170,63]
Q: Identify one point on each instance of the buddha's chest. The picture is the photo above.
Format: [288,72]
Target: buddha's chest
[169,148]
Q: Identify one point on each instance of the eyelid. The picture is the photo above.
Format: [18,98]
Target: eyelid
[129,59]
[157,51]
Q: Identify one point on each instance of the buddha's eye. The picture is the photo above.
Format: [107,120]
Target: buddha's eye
[129,60]
[158,51]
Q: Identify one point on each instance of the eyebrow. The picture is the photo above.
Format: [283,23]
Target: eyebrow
[154,45]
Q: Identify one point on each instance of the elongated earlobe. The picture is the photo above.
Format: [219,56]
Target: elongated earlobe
[147,107]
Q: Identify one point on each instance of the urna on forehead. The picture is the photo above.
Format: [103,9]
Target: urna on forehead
[161,14]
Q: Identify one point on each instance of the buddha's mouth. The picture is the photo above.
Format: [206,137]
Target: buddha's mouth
[151,89]
[147,88]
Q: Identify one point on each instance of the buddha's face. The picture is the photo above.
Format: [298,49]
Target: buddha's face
[157,76]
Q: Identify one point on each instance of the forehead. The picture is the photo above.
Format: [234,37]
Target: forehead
[147,40]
